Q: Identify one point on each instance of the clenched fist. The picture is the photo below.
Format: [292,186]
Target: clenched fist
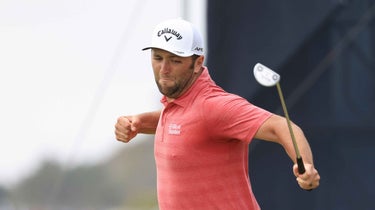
[310,179]
[126,128]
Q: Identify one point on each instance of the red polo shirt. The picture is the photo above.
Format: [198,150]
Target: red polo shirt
[201,149]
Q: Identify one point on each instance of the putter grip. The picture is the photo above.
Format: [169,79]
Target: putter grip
[301,166]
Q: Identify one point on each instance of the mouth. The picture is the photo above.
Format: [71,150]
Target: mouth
[165,80]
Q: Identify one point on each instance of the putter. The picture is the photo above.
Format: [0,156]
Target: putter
[266,77]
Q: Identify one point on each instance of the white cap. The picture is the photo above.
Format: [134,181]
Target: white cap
[177,36]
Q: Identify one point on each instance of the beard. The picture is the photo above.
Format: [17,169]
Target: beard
[170,89]
[173,87]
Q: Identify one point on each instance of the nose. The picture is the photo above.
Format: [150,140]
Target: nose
[164,67]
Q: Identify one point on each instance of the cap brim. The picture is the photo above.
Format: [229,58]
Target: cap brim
[173,52]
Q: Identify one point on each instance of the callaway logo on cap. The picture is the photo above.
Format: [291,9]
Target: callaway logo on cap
[177,36]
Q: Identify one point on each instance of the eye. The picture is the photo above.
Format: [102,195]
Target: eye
[157,58]
[176,61]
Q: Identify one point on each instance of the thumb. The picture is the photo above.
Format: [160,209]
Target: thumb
[135,125]
[295,170]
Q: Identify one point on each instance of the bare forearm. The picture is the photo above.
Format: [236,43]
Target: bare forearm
[149,122]
[276,129]
[302,143]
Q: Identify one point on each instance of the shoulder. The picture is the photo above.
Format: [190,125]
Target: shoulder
[231,107]
[224,100]
[224,105]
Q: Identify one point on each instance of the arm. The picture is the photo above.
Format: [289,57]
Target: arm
[127,127]
[275,129]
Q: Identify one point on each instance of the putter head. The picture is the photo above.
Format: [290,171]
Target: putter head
[265,76]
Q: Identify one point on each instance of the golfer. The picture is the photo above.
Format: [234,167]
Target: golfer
[202,134]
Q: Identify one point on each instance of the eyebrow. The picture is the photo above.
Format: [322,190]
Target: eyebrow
[173,56]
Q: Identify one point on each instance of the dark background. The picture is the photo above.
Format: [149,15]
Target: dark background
[324,52]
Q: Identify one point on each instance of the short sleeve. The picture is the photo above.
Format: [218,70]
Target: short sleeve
[231,117]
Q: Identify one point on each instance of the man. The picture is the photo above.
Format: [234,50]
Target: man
[203,132]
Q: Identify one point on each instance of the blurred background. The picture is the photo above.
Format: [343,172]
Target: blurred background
[325,54]
[69,68]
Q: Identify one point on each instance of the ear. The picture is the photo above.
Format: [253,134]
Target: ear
[198,64]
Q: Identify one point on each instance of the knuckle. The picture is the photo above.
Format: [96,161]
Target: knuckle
[120,120]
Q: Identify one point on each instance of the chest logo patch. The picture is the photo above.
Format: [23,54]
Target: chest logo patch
[174,129]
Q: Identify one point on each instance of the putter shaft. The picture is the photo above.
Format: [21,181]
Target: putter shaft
[301,167]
